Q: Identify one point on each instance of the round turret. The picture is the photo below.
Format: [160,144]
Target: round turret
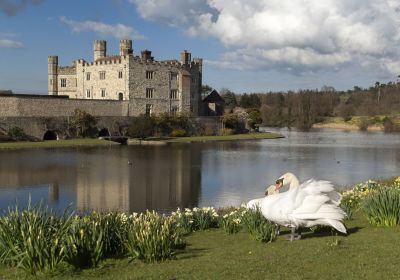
[99,49]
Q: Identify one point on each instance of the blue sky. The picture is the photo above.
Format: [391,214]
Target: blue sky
[247,45]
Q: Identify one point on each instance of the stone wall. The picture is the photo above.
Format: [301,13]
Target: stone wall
[46,106]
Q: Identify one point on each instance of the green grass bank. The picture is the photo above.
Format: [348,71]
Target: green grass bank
[56,143]
[366,253]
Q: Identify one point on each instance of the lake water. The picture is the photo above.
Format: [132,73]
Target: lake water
[188,175]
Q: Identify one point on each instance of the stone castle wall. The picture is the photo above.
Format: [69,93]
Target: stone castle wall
[39,106]
[113,85]
[126,79]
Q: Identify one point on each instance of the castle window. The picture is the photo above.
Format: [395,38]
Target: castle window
[88,93]
[174,77]
[173,94]
[119,74]
[149,92]
[63,82]
[102,75]
[149,75]
[88,76]
[149,109]
[103,92]
[51,82]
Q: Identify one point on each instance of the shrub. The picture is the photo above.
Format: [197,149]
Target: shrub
[209,131]
[141,127]
[204,218]
[259,228]
[83,124]
[184,219]
[254,117]
[84,243]
[363,125]
[16,133]
[114,226]
[227,131]
[231,222]
[389,126]
[178,132]
[152,237]
[32,238]
[352,199]
[382,208]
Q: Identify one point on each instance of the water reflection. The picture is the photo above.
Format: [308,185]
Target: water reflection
[206,174]
[101,179]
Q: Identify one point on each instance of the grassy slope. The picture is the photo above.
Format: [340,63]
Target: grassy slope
[366,253]
[54,144]
[356,120]
[250,136]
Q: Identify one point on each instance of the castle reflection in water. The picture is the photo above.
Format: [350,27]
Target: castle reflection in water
[128,179]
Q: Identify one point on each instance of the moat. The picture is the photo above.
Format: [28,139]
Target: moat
[132,179]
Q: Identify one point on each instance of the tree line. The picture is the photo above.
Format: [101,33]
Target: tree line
[303,108]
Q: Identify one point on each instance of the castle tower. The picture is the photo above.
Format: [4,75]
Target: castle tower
[52,75]
[186,57]
[99,49]
[125,47]
[199,61]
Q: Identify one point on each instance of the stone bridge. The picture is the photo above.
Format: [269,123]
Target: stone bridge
[53,128]
[49,117]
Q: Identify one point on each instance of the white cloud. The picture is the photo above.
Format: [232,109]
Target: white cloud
[12,7]
[119,31]
[289,34]
[7,41]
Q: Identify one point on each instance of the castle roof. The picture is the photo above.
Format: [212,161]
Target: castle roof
[213,97]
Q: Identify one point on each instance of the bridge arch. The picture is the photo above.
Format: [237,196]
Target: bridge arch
[104,132]
[50,135]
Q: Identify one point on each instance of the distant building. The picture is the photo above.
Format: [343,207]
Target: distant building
[213,104]
[150,86]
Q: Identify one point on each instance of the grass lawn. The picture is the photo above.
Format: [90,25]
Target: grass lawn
[249,136]
[366,253]
[56,143]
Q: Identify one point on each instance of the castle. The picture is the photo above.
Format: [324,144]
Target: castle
[149,86]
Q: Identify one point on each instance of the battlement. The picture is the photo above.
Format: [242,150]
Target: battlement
[66,70]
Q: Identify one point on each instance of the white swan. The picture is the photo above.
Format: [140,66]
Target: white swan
[286,179]
[309,204]
[291,180]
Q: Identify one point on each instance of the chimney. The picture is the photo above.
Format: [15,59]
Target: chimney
[146,55]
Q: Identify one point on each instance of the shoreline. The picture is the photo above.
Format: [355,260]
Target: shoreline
[203,139]
[344,126]
[56,144]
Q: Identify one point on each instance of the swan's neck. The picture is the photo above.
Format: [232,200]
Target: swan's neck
[293,182]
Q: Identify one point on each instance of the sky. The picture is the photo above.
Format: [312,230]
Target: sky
[247,45]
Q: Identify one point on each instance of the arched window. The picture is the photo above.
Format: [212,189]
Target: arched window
[120,96]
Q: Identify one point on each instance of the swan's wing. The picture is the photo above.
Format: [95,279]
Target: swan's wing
[313,187]
[254,203]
